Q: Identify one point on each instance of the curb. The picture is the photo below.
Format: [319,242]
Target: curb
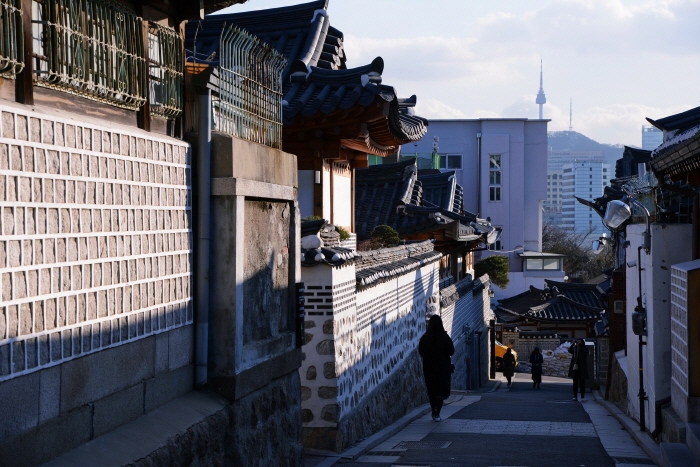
[382,435]
[642,438]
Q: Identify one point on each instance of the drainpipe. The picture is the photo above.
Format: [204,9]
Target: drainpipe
[478,174]
[203,230]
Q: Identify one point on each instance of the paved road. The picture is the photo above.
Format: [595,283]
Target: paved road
[512,426]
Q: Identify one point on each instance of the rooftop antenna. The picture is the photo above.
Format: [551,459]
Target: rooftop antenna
[541,99]
[571,105]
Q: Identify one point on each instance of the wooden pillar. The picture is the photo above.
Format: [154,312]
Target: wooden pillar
[24,84]
[696,228]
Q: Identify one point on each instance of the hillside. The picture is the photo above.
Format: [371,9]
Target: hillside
[574,141]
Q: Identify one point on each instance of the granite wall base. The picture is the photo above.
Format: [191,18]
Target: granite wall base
[402,391]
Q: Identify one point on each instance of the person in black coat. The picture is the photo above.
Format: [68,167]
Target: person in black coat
[536,361]
[508,363]
[436,348]
[578,368]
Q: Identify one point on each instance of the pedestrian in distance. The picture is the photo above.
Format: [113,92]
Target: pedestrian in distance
[508,365]
[536,361]
[436,348]
[578,368]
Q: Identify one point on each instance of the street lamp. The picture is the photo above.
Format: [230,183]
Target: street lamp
[617,213]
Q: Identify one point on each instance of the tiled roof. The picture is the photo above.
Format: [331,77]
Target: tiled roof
[453,292]
[586,294]
[394,195]
[679,122]
[678,155]
[535,305]
[377,265]
[330,253]
[627,165]
[316,78]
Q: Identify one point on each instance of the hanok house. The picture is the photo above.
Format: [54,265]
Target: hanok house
[676,164]
[421,207]
[334,117]
[99,291]
[570,310]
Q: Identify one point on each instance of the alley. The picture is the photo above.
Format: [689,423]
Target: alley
[513,426]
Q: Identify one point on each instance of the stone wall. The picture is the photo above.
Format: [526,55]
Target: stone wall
[357,340]
[466,309]
[95,264]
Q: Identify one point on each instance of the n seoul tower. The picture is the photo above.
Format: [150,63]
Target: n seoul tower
[540,95]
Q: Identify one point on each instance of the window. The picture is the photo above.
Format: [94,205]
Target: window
[451,161]
[11,51]
[495,177]
[539,264]
[496,246]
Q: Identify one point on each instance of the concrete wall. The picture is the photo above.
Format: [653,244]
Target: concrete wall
[656,291]
[95,261]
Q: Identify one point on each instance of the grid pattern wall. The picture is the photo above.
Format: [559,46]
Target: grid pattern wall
[679,328]
[95,238]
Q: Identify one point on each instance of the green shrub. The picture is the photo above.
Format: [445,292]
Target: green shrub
[496,266]
[385,236]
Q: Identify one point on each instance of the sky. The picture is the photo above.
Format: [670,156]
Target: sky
[618,61]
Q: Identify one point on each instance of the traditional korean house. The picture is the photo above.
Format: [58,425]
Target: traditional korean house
[628,164]
[570,310]
[334,116]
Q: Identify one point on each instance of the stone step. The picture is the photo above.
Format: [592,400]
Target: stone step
[677,455]
[692,436]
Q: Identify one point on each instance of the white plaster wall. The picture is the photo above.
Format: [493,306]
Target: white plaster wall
[306,193]
[656,280]
[342,197]
[326,180]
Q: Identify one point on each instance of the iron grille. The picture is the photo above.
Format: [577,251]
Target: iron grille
[250,89]
[92,48]
[165,69]
[11,38]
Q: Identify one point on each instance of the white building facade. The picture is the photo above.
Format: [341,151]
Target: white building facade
[583,180]
[502,166]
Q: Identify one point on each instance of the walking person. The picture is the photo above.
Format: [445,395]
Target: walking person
[536,361]
[508,365]
[436,348]
[578,368]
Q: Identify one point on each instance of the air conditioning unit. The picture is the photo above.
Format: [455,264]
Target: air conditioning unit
[619,306]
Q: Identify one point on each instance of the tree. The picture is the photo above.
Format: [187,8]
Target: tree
[382,236]
[496,266]
[580,262]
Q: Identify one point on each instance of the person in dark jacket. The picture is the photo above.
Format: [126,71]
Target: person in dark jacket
[436,348]
[578,368]
[508,363]
[536,360]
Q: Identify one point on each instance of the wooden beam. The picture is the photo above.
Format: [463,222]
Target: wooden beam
[24,85]
[318,187]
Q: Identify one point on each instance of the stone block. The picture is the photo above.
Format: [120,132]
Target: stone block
[168,386]
[49,393]
[180,347]
[117,409]
[19,410]
[161,353]
[95,376]
[49,440]
[311,373]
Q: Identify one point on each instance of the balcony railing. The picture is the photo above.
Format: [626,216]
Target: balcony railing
[165,64]
[11,42]
[249,104]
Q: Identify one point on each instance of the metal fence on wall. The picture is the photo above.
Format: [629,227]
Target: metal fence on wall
[11,42]
[250,89]
[91,48]
[165,63]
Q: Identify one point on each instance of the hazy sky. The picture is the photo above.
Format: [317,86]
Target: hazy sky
[620,61]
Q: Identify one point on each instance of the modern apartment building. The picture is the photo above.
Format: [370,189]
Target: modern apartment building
[652,137]
[583,180]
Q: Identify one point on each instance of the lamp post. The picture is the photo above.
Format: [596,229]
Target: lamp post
[617,213]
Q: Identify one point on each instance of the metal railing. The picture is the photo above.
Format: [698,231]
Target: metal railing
[250,89]
[11,38]
[165,64]
[92,48]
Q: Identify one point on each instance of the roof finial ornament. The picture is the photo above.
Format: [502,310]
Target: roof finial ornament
[541,99]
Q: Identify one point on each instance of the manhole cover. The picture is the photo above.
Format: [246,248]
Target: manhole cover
[422,444]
